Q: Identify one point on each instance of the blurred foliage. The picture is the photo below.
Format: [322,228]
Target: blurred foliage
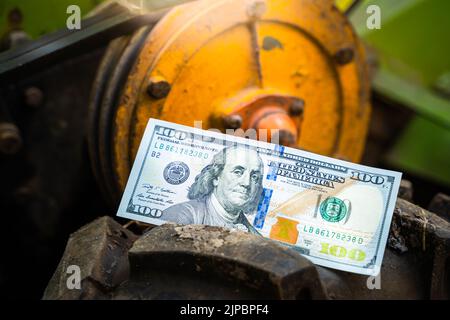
[423,148]
[413,50]
[42,16]
[414,40]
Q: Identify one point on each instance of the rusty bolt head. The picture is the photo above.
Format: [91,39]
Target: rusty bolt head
[158,88]
[10,139]
[34,97]
[344,56]
[286,138]
[296,108]
[233,121]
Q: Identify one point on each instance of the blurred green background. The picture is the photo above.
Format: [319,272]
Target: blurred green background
[413,52]
[42,16]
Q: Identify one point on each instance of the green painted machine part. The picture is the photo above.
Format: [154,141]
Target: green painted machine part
[413,50]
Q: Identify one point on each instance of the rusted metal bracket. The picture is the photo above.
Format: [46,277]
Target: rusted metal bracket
[99,249]
[204,262]
[428,236]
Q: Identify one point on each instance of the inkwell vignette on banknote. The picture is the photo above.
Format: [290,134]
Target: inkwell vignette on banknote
[335,213]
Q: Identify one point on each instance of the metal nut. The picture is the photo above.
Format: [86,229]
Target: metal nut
[297,107]
[344,56]
[10,139]
[34,97]
[286,138]
[233,121]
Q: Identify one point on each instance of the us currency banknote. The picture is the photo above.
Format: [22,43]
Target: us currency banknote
[335,213]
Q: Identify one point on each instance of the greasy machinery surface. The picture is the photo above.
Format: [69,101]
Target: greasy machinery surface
[296,66]
[203,262]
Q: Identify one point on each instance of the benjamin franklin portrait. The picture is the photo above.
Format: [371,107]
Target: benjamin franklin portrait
[224,192]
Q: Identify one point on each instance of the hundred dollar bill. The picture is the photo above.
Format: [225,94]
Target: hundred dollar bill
[333,212]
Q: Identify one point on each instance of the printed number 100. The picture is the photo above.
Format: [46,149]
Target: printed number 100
[341,252]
